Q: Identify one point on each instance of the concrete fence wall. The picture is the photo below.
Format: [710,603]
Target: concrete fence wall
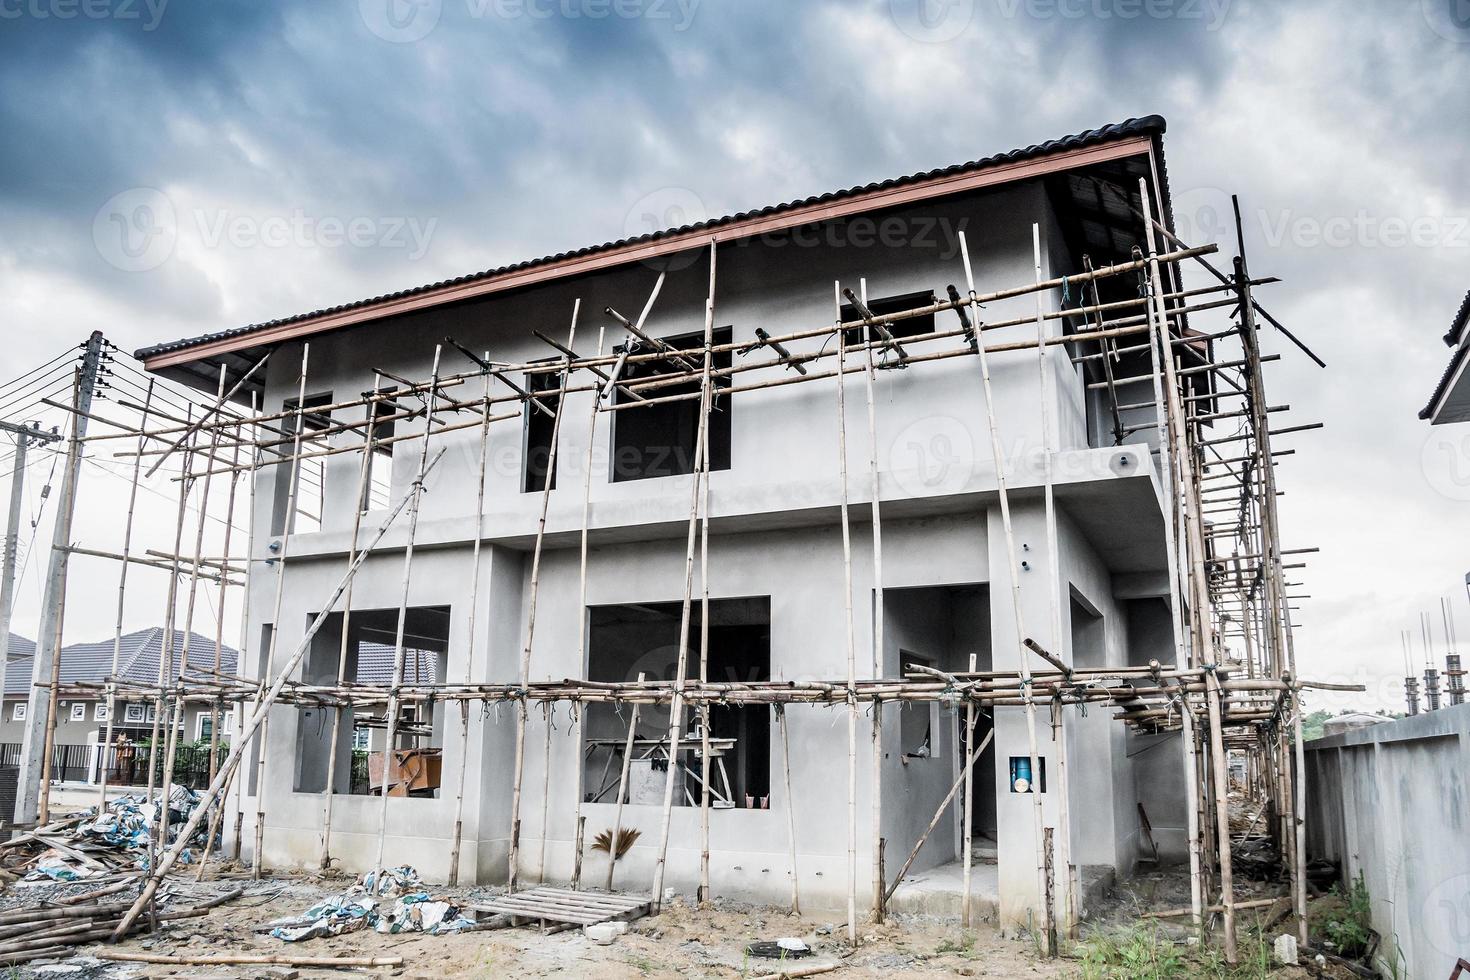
[1393,802]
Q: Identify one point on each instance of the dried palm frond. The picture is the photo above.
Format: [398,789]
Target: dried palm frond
[627,837]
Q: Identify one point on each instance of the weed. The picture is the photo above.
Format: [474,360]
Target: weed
[1349,927]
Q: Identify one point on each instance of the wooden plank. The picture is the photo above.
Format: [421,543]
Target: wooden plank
[596,897]
[530,911]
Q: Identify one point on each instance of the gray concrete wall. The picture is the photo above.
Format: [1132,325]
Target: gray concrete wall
[1392,802]
[774,532]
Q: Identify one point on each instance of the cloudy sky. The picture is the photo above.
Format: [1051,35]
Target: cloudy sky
[295,155]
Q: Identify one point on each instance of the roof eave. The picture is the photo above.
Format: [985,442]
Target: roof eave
[943,185]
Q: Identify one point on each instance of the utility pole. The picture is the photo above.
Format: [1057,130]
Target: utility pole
[48,638]
[23,437]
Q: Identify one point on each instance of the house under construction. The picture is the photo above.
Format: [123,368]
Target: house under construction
[926,523]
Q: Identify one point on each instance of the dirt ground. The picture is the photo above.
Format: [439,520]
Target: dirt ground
[679,942]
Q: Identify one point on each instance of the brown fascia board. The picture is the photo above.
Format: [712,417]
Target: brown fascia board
[944,186]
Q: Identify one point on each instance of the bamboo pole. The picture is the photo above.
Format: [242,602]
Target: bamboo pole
[968,829]
[676,706]
[582,623]
[1049,445]
[250,562]
[469,653]
[390,735]
[215,718]
[520,763]
[288,525]
[1013,571]
[790,808]
[878,619]
[851,640]
[344,645]
[617,827]
[122,586]
[702,476]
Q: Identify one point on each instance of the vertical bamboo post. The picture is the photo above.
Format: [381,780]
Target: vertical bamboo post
[390,736]
[617,827]
[1182,652]
[790,808]
[702,474]
[250,562]
[122,586]
[676,706]
[1013,570]
[582,624]
[215,714]
[968,811]
[1299,818]
[344,645]
[549,710]
[1050,444]
[514,855]
[851,640]
[878,616]
[262,746]
[469,652]
[162,714]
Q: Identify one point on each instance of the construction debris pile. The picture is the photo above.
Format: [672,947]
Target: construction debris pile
[95,845]
[364,906]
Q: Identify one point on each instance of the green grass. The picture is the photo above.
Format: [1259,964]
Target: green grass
[1145,952]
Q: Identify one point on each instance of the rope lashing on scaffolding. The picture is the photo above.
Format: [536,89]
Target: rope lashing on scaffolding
[1066,290]
[763,339]
[971,334]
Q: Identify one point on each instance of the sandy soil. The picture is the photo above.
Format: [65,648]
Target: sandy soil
[680,942]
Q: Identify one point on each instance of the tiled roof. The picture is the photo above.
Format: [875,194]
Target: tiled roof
[1457,329]
[375,665]
[138,659]
[1146,126]
[19,646]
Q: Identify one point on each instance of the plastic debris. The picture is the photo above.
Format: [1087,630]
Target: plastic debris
[94,844]
[363,906]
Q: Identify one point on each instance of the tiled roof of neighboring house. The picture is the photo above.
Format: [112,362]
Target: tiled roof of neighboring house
[138,659]
[1452,338]
[19,646]
[375,665]
[1146,126]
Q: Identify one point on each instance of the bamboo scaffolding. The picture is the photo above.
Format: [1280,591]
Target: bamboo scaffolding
[513,856]
[414,508]
[1219,705]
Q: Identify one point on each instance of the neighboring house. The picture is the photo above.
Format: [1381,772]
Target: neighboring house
[776,545]
[83,720]
[1450,401]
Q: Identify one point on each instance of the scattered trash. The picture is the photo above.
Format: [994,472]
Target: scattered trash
[1284,949]
[363,906]
[93,845]
[781,949]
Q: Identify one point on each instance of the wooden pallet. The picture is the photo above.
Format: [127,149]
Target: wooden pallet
[565,907]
